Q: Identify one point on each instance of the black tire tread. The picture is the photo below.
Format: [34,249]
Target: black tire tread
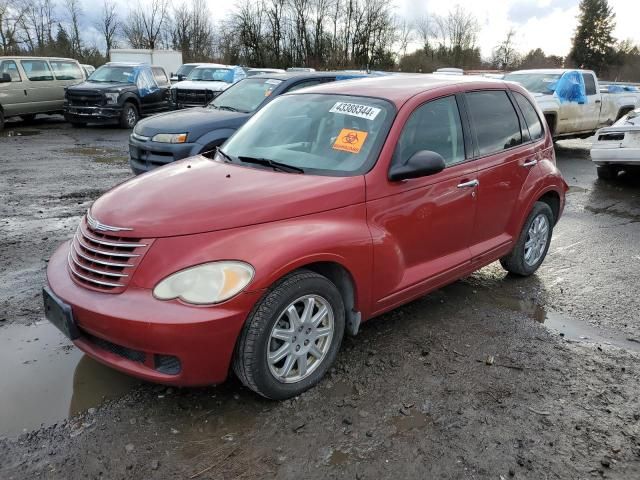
[244,357]
[123,118]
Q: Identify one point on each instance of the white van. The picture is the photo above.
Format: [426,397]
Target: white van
[33,85]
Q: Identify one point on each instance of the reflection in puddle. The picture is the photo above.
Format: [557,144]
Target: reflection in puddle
[569,328]
[46,379]
[338,457]
[21,133]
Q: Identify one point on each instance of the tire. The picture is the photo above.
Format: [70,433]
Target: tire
[129,116]
[517,262]
[28,118]
[78,124]
[250,363]
[1,120]
[607,172]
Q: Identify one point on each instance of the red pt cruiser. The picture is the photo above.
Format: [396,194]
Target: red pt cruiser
[330,206]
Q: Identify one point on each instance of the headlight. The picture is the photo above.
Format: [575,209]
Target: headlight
[207,283]
[170,138]
[112,97]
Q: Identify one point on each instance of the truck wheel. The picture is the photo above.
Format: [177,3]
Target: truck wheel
[129,116]
[292,337]
[78,124]
[607,172]
[533,243]
[28,118]
[1,120]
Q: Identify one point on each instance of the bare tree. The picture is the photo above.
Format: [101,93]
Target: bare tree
[457,32]
[423,27]
[109,24]
[74,12]
[404,34]
[505,55]
[11,15]
[145,25]
[37,24]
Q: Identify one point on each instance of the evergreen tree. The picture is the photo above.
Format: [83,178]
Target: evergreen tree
[593,44]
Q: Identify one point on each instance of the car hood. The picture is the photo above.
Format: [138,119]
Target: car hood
[198,195]
[102,86]
[200,85]
[194,121]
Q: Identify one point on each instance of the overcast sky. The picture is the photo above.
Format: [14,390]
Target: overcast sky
[548,24]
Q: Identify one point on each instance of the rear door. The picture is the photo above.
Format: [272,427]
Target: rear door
[41,89]
[425,224]
[590,111]
[505,156]
[164,84]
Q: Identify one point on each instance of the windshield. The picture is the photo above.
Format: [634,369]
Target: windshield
[184,70]
[211,74]
[246,95]
[112,74]
[323,134]
[535,82]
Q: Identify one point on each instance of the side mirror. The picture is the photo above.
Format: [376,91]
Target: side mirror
[180,77]
[421,164]
[5,78]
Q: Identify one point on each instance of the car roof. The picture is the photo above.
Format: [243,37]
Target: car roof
[550,71]
[400,88]
[212,65]
[305,75]
[28,57]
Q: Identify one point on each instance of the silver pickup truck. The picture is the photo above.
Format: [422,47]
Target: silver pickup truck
[572,100]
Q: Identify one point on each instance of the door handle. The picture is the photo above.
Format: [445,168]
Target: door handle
[469,184]
[598,101]
[530,163]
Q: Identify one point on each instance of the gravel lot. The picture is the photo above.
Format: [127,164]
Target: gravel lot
[491,377]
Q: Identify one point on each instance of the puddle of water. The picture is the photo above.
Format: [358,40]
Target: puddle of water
[338,457]
[570,328]
[21,133]
[615,213]
[575,189]
[46,379]
[415,419]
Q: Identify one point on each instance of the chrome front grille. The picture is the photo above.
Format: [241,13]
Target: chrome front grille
[104,262]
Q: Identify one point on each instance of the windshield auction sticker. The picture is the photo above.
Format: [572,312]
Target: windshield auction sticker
[350,140]
[355,110]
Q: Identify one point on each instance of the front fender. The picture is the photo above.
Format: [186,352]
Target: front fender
[129,97]
[216,137]
[274,249]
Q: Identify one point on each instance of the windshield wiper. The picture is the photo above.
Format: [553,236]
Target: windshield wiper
[227,107]
[272,163]
[226,156]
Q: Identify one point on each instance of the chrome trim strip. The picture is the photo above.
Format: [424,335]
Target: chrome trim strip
[106,253]
[96,225]
[95,260]
[113,244]
[99,272]
[88,279]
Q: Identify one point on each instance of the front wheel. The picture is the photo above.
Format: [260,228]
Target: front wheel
[129,116]
[533,243]
[607,172]
[292,336]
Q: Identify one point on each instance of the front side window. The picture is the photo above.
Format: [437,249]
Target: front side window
[211,74]
[246,95]
[321,134]
[113,74]
[159,76]
[434,126]
[9,67]
[495,121]
[536,131]
[37,70]
[66,70]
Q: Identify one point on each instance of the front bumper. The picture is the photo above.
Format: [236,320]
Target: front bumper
[99,114]
[134,333]
[145,155]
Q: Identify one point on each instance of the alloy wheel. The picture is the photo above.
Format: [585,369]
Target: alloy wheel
[537,239]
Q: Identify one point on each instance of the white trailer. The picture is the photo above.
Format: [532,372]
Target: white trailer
[170,60]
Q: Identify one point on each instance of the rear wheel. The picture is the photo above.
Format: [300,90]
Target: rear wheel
[78,124]
[533,243]
[28,118]
[292,337]
[129,116]
[607,172]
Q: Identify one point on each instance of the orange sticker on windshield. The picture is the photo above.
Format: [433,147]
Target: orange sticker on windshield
[350,140]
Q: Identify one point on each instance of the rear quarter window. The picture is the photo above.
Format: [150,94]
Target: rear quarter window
[536,131]
[66,70]
[589,83]
[160,76]
[494,120]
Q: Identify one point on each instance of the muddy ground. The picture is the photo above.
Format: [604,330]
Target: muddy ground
[414,395]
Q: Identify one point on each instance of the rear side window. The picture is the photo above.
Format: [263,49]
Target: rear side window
[589,83]
[37,70]
[10,68]
[530,116]
[434,126]
[305,84]
[160,76]
[495,121]
[66,70]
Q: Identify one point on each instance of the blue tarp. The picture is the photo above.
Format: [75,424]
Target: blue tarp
[571,88]
[622,88]
[144,80]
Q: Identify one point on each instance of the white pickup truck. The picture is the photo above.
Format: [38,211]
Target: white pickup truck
[582,111]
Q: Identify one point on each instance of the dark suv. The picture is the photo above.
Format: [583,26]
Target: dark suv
[175,135]
[118,93]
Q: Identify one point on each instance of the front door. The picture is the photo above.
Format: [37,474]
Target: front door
[421,229]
